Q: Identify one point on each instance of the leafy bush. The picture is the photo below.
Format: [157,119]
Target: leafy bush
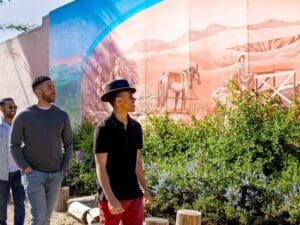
[238,166]
[82,178]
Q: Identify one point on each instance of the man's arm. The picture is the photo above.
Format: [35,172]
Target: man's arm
[67,139]
[15,145]
[141,178]
[114,204]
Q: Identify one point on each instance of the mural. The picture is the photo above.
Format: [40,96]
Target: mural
[178,54]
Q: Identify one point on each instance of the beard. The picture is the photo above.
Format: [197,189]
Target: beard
[48,98]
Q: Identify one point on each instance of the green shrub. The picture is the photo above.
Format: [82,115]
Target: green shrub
[238,166]
[82,178]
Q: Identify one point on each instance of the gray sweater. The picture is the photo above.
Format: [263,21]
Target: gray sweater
[42,139]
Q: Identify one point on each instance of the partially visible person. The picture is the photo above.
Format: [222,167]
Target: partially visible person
[10,174]
[117,145]
[244,78]
[41,144]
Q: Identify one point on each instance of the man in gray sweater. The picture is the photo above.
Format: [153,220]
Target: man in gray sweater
[41,144]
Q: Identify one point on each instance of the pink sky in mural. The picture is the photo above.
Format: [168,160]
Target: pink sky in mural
[169,19]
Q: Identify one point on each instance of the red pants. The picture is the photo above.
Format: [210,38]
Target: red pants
[133,215]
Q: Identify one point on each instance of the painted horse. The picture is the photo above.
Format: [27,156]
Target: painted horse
[180,83]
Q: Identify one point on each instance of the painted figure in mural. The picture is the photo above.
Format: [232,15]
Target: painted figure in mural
[41,144]
[181,83]
[10,174]
[99,81]
[106,63]
[162,89]
[116,72]
[93,92]
[117,145]
[123,69]
[244,79]
[95,75]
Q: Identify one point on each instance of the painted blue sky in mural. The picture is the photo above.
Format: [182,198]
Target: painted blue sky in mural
[78,27]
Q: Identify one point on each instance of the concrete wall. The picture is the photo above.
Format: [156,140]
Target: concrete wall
[22,59]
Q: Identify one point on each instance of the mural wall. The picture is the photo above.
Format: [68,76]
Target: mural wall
[178,54]
[21,60]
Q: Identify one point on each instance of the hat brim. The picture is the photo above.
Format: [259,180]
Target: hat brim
[106,96]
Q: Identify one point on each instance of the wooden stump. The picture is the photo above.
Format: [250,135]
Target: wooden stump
[188,217]
[156,221]
[61,199]
[79,211]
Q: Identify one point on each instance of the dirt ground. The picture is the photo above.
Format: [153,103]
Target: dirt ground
[57,218]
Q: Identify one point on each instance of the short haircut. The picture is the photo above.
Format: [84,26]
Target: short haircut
[3,100]
[112,98]
[39,80]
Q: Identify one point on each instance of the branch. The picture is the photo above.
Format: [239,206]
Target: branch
[15,27]
[4,1]
[12,26]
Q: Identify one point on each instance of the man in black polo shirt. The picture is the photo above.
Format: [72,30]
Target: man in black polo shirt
[117,144]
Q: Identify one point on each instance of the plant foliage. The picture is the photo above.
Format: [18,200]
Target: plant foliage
[82,176]
[12,26]
[237,166]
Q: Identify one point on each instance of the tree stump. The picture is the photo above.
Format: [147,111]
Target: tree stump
[188,217]
[61,199]
[79,211]
[156,221]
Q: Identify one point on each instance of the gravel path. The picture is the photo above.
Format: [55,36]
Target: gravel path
[56,219]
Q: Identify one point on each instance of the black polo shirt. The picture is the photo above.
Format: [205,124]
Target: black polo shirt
[121,146]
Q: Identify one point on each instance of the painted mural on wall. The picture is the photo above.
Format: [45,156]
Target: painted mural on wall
[178,54]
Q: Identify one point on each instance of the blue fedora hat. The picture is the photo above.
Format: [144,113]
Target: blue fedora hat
[116,86]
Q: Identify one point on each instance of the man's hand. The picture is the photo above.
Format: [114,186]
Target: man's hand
[65,173]
[147,198]
[27,170]
[115,207]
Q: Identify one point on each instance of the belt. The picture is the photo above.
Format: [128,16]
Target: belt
[52,171]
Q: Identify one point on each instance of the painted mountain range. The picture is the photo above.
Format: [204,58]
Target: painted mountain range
[215,29]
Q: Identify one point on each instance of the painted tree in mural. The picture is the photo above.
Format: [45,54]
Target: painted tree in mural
[12,26]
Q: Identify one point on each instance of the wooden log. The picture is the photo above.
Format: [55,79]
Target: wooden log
[93,216]
[61,199]
[90,200]
[79,211]
[188,217]
[156,221]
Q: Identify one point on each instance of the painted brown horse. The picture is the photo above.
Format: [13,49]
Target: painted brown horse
[181,83]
